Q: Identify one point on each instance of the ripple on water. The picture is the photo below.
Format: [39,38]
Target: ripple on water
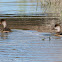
[30,46]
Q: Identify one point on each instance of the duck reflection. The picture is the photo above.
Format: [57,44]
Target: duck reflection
[4,35]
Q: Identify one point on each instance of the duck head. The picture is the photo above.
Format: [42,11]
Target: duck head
[57,28]
[3,22]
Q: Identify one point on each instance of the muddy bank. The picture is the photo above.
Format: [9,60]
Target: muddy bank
[43,24]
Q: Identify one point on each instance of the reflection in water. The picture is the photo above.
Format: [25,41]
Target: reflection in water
[21,7]
[4,35]
[29,7]
[28,46]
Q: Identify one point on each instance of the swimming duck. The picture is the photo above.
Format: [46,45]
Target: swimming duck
[57,27]
[5,28]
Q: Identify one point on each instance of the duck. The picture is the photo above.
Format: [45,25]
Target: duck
[5,28]
[57,27]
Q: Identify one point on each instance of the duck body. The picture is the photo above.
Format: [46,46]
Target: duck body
[5,28]
[58,35]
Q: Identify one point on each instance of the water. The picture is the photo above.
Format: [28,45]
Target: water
[20,7]
[30,46]
[29,8]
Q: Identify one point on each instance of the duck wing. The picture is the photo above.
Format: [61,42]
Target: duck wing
[6,29]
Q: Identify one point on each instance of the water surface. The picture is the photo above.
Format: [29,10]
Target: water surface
[30,46]
[20,7]
[29,7]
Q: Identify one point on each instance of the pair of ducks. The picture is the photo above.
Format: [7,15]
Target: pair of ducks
[5,28]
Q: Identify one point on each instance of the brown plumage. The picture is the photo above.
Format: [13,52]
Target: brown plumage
[5,28]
